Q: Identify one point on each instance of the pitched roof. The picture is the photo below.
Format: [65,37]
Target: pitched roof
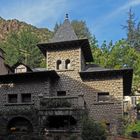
[64,33]
[83,43]
[66,38]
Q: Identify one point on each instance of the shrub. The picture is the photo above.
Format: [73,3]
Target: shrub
[133,129]
[92,130]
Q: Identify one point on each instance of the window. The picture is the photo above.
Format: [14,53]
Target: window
[20,69]
[67,64]
[58,65]
[61,93]
[103,96]
[26,98]
[12,98]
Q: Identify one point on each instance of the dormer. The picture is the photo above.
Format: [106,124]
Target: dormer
[65,51]
[21,68]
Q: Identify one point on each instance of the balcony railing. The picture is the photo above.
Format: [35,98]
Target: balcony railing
[61,102]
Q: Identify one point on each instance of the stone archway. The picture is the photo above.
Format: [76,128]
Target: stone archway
[19,125]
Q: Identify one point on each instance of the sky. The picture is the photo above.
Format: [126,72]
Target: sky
[104,18]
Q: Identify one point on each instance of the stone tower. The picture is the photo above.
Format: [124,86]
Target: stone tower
[65,51]
[101,89]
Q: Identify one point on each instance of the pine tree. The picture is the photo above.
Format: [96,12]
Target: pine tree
[130,28]
[22,47]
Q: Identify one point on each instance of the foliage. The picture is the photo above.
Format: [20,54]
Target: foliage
[81,29]
[92,130]
[123,122]
[133,127]
[22,48]
[130,28]
[117,56]
[73,137]
[56,103]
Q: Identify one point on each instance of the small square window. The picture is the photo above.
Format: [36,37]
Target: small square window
[61,93]
[103,96]
[12,98]
[26,98]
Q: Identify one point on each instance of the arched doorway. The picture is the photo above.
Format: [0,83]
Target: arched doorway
[19,125]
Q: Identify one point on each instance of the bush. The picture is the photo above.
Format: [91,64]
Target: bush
[73,137]
[134,134]
[133,129]
[92,130]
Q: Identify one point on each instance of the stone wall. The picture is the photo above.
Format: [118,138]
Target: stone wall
[82,60]
[28,110]
[71,82]
[63,54]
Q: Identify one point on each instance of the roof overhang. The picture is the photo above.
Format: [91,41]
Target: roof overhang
[83,43]
[127,75]
[28,76]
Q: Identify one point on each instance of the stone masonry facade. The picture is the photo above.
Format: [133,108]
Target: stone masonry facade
[70,81]
[51,103]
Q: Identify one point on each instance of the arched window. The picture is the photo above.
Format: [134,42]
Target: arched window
[67,64]
[58,65]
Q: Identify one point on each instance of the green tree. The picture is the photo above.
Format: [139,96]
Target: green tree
[132,128]
[56,27]
[130,28]
[81,29]
[132,31]
[22,47]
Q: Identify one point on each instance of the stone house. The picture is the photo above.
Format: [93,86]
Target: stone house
[55,100]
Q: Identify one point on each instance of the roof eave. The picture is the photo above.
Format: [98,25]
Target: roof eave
[65,44]
[28,76]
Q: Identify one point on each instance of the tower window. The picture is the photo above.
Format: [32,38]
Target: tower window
[67,64]
[58,65]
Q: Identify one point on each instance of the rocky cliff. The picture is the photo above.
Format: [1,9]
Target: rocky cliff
[7,26]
